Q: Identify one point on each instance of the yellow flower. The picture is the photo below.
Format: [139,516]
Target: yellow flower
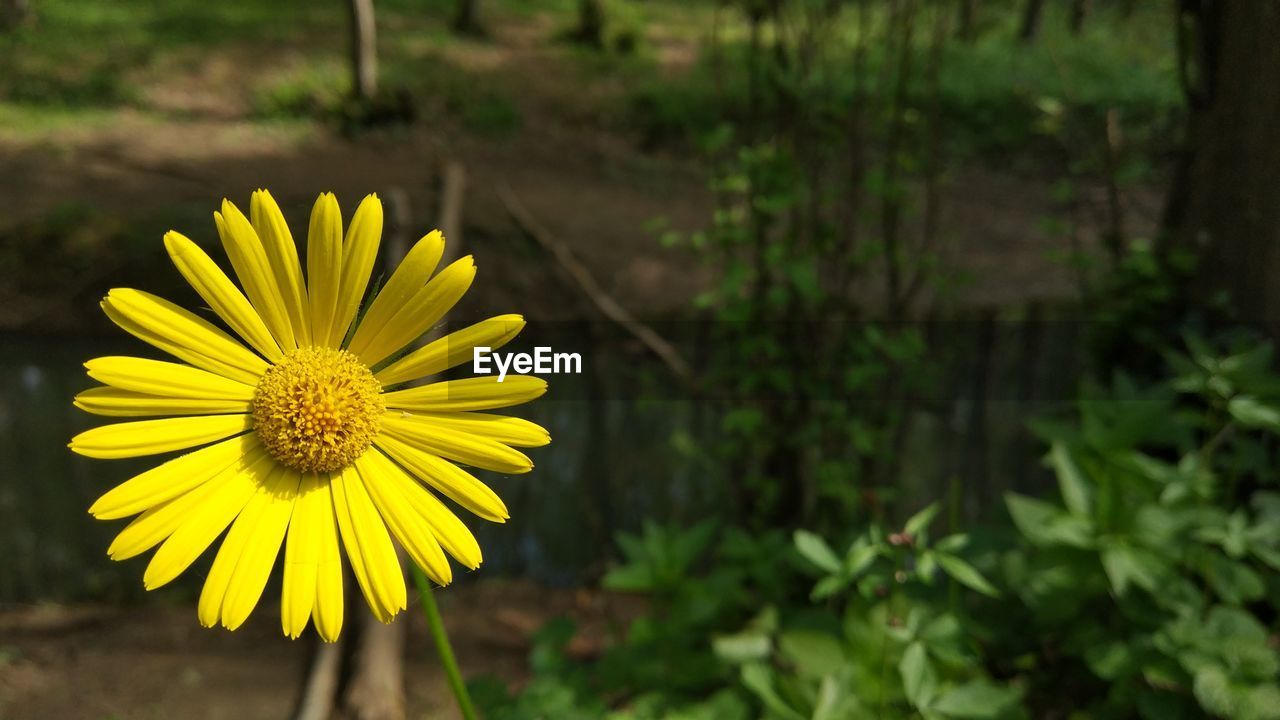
[304,444]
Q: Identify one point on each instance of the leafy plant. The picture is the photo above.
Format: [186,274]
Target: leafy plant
[1151,572]
[884,640]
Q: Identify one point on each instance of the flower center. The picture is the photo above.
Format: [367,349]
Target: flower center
[318,409]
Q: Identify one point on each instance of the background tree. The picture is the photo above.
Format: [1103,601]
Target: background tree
[1225,199]
[968,17]
[1079,13]
[1031,14]
[14,13]
[364,50]
[590,30]
[466,18]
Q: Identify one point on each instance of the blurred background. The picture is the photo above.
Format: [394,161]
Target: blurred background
[926,346]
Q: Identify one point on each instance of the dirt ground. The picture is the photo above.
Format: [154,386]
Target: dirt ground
[589,182]
[157,663]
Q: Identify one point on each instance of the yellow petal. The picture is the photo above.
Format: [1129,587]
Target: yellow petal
[412,273]
[459,446]
[256,560]
[409,528]
[302,555]
[153,526]
[227,496]
[324,266]
[454,482]
[156,377]
[218,366]
[182,334]
[223,296]
[329,610]
[358,253]
[240,537]
[151,437]
[451,350]
[282,254]
[173,478]
[127,403]
[477,393]
[452,535]
[161,521]
[373,557]
[249,259]
[421,312]
[512,431]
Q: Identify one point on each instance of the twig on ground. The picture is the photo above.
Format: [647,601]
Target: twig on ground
[588,285]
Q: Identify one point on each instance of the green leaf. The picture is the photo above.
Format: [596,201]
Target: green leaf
[860,556]
[953,543]
[758,678]
[1109,660]
[1125,563]
[1076,492]
[817,551]
[944,628]
[1046,525]
[1213,690]
[1233,581]
[978,699]
[835,701]
[926,565]
[919,681]
[629,578]
[828,586]
[1261,702]
[920,521]
[815,654]
[1252,412]
[742,647]
[965,574]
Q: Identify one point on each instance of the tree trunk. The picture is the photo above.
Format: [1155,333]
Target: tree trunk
[466,18]
[1079,13]
[968,18]
[322,683]
[364,50]
[14,14]
[1031,14]
[376,689]
[1225,199]
[590,30]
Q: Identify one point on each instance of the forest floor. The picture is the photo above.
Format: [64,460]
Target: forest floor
[155,662]
[545,124]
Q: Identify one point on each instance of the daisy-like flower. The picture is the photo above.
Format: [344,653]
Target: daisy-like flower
[303,439]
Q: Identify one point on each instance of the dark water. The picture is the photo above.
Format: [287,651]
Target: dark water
[628,444]
[615,457]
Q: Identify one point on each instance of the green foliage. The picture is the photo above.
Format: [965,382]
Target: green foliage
[885,637]
[658,561]
[794,346]
[998,96]
[1146,586]
[1152,573]
[702,583]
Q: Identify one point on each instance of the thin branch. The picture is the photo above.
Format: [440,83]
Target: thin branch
[587,283]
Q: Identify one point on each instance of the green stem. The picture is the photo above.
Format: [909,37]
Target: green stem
[443,648]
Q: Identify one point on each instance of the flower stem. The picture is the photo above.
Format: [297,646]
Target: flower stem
[443,648]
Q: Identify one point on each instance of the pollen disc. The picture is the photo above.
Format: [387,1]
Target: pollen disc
[318,409]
